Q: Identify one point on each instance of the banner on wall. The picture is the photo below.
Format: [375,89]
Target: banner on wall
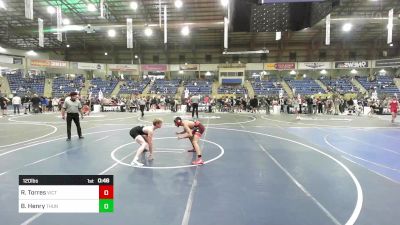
[91,66]
[189,67]
[313,65]
[352,64]
[280,66]
[49,63]
[6,59]
[123,67]
[387,63]
[17,61]
[154,67]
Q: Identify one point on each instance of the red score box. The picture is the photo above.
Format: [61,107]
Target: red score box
[106,192]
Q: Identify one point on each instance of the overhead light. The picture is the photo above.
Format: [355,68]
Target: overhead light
[136,56]
[148,31]
[111,33]
[347,27]
[185,31]
[134,5]
[68,46]
[2,5]
[178,4]
[66,21]
[324,72]
[353,71]
[180,71]
[51,10]
[292,72]
[224,3]
[391,44]
[31,53]
[91,7]
[105,53]
[2,49]
[382,71]
[304,75]
[208,73]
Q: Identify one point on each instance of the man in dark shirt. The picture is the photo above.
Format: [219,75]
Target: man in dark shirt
[35,103]
[25,101]
[254,104]
[3,105]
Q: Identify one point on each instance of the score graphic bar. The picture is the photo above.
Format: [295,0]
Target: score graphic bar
[66,194]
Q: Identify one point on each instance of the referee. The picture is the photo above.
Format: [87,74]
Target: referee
[73,108]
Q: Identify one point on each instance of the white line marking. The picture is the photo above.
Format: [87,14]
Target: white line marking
[102,138]
[21,142]
[322,119]
[189,203]
[31,219]
[301,187]
[213,124]
[24,147]
[362,159]
[376,146]
[44,159]
[309,124]
[164,167]
[379,174]
[359,203]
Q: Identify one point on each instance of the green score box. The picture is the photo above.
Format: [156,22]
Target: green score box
[106,205]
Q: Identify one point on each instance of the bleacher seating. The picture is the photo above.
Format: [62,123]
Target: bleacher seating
[106,86]
[342,85]
[305,87]
[161,86]
[382,84]
[26,85]
[265,87]
[134,87]
[232,89]
[63,85]
[203,87]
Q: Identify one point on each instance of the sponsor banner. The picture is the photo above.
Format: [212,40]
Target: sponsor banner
[6,59]
[90,66]
[189,67]
[280,66]
[49,63]
[122,67]
[17,61]
[154,67]
[352,64]
[387,63]
[313,65]
[232,65]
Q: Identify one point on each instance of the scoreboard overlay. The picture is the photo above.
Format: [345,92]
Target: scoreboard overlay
[66,193]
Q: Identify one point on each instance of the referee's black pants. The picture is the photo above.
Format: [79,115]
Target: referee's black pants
[75,118]
[195,108]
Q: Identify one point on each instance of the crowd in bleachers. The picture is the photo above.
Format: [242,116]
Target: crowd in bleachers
[232,89]
[381,84]
[65,84]
[305,87]
[134,87]
[202,87]
[161,86]
[26,85]
[105,86]
[266,87]
[341,85]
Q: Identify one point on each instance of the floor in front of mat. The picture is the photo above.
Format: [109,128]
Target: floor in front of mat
[261,169]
